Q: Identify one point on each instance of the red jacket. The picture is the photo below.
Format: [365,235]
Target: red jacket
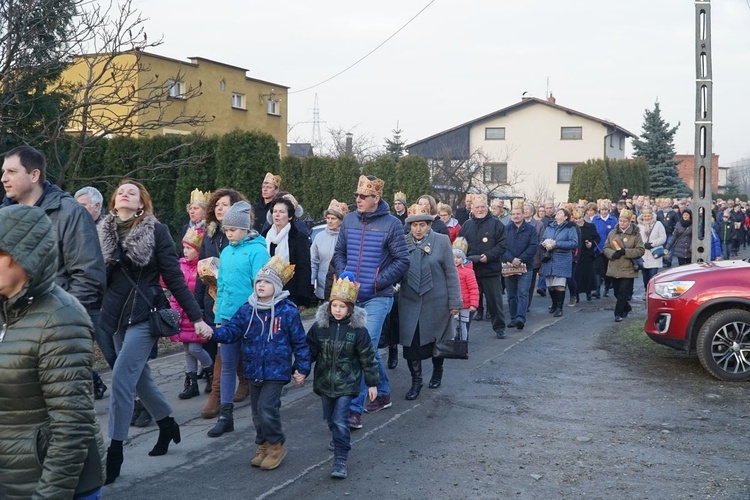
[469,287]
[187,333]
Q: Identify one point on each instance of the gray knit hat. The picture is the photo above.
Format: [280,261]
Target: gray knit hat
[239,216]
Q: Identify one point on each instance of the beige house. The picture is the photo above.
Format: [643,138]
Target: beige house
[528,149]
[136,92]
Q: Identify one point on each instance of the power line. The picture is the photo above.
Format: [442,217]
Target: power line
[369,53]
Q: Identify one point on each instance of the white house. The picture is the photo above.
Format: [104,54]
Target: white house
[529,148]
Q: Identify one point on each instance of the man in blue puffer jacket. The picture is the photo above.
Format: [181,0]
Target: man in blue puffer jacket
[372,246]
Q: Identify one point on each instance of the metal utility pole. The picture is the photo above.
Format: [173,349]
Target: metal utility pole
[703,134]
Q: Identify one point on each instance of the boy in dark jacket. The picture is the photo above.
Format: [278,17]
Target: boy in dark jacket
[271,331]
[341,348]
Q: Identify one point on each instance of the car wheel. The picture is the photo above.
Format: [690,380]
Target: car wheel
[723,345]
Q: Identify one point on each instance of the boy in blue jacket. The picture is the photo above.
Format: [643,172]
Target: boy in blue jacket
[342,350]
[274,349]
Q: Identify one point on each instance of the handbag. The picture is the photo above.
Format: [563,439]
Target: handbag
[451,345]
[637,264]
[657,252]
[162,322]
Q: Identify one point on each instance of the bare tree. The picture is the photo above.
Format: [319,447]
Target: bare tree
[540,189]
[739,176]
[453,176]
[364,146]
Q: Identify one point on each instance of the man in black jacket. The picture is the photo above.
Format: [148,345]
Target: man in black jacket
[268,191]
[486,238]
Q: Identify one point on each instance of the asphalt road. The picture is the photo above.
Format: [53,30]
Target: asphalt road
[566,408]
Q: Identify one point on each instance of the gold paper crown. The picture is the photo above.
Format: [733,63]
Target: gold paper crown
[461,244]
[198,197]
[626,214]
[338,208]
[284,270]
[468,198]
[517,204]
[497,202]
[370,187]
[345,290]
[193,237]
[399,195]
[273,179]
[418,210]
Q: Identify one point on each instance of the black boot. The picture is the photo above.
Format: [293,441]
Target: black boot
[415,367]
[392,357]
[553,301]
[114,461]
[191,386]
[437,373]
[169,430]
[99,386]
[208,374]
[560,302]
[225,422]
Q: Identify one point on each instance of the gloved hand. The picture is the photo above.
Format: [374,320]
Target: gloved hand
[648,245]
[618,253]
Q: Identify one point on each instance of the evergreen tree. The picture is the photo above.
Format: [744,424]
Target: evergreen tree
[395,147]
[656,147]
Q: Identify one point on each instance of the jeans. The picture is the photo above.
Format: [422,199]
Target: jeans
[542,285]
[265,400]
[230,356]
[377,309]
[336,415]
[725,250]
[94,495]
[517,288]
[648,273]
[194,353]
[131,376]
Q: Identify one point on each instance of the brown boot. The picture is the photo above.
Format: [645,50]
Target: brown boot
[243,386]
[275,453]
[260,454]
[211,410]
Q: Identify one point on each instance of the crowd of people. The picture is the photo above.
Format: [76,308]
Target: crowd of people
[246,273]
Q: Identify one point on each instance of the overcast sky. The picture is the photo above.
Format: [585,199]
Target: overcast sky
[462,59]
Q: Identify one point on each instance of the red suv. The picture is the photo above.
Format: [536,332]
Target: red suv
[704,308]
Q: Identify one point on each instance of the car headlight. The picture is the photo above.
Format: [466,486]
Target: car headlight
[672,289]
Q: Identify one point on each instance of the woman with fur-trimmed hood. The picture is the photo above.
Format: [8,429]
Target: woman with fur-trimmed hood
[138,249]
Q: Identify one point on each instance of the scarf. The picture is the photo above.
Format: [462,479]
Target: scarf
[280,239]
[273,325]
[420,282]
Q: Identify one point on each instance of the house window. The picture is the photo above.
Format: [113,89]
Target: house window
[176,89]
[612,141]
[238,100]
[622,142]
[222,85]
[494,133]
[565,172]
[496,173]
[571,133]
[273,108]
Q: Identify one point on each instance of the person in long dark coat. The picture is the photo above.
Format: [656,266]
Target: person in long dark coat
[430,295]
[585,274]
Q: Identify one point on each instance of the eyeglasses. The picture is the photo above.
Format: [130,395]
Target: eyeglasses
[364,196]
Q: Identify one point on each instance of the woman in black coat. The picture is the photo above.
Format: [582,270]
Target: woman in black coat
[284,239]
[589,239]
[137,250]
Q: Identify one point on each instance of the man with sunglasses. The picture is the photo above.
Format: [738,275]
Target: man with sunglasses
[372,246]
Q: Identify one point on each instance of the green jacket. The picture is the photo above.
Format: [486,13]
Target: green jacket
[341,351]
[50,442]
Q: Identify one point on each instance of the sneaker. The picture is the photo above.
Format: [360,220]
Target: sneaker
[355,420]
[618,319]
[520,324]
[339,469]
[501,334]
[542,292]
[275,453]
[380,403]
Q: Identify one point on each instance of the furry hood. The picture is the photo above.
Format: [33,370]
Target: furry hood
[211,229]
[139,243]
[358,319]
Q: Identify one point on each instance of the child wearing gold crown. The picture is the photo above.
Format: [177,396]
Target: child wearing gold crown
[274,349]
[342,350]
[191,342]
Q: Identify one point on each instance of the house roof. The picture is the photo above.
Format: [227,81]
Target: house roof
[525,102]
[299,149]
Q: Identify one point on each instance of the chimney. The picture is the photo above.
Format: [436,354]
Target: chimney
[551,98]
[348,147]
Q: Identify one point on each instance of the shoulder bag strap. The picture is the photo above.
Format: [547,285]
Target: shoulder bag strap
[135,286]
